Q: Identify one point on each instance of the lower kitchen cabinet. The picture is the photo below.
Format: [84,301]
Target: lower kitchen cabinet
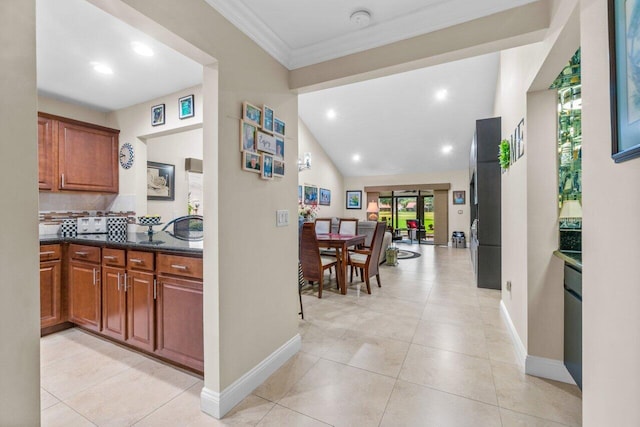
[84,286]
[51,310]
[141,293]
[179,321]
[114,322]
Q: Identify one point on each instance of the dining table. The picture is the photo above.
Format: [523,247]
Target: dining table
[341,243]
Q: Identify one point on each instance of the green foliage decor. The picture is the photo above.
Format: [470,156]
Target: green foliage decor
[504,154]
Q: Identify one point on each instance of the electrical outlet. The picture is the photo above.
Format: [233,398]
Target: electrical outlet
[509,285]
[282,218]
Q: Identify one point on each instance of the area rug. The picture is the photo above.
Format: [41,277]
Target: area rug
[404,254]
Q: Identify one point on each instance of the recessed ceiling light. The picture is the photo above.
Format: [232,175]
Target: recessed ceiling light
[141,49]
[101,68]
[331,114]
[356,157]
[447,149]
[441,94]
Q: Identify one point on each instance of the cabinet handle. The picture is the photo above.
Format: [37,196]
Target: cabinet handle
[62,181]
[79,253]
[94,277]
[136,260]
[47,253]
[155,289]
[109,257]
[179,267]
[118,282]
[125,282]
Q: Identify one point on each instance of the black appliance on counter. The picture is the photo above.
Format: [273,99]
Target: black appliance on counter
[485,193]
[573,322]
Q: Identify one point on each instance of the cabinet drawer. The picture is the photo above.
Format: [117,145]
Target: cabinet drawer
[113,257]
[84,253]
[49,252]
[137,260]
[180,265]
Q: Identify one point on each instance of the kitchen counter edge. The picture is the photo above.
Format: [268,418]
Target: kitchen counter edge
[137,241]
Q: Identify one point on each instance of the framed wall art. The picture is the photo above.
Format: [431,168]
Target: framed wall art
[624,41]
[278,126]
[247,137]
[354,199]
[267,119]
[251,114]
[265,142]
[185,107]
[267,166]
[458,198]
[161,183]
[299,193]
[279,148]
[310,195]
[251,161]
[325,197]
[157,115]
[278,168]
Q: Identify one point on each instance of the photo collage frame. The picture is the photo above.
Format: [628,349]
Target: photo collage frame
[262,141]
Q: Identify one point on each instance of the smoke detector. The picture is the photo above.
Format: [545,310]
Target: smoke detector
[360,18]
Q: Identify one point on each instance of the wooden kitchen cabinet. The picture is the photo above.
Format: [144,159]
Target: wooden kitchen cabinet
[51,312]
[76,156]
[84,286]
[179,310]
[141,294]
[114,293]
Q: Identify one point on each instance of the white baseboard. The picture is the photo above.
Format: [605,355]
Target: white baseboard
[521,351]
[533,365]
[217,404]
[548,368]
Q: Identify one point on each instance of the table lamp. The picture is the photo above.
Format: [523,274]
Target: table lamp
[372,211]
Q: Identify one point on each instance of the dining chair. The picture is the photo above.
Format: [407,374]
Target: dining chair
[348,226]
[366,260]
[313,264]
[323,225]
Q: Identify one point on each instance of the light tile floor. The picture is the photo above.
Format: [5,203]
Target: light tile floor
[426,349]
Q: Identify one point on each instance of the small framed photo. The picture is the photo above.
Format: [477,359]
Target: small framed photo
[310,195]
[279,148]
[251,114]
[185,107]
[458,197]
[157,115]
[266,143]
[251,161]
[325,197]
[354,199]
[278,168]
[267,166]
[267,119]
[278,126]
[247,137]
[299,193]
[160,181]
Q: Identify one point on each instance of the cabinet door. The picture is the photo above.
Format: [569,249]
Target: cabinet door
[179,321]
[87,158]
[141,310]
[84,295]
[46,155]
[113,302]
[50,294]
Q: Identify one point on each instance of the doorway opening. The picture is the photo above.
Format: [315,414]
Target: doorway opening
[409,214]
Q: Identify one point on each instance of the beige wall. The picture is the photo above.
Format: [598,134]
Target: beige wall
[73,111]
[611,295]
[323,173]
[19,291]
[459,180]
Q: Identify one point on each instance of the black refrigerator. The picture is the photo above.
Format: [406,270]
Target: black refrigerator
[485,193]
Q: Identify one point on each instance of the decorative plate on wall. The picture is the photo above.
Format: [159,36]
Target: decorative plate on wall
[126,155]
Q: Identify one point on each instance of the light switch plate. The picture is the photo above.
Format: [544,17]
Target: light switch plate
[282,218]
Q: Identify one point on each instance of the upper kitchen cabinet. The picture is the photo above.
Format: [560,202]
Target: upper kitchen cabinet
[87,155]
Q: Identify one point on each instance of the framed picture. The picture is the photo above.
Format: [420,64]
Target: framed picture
[278,167]
[299,193]
[354,199]
[310,195]
[157,115]
[266,142]
[279,147]
[247,137]
[266,166]
[161,182]
[624,21]
[267,119]
[278,126]
[325,197]
[251,161]
[458,198]
[251,114]
[185,107]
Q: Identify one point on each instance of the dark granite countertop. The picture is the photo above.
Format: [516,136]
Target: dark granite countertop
[160,242]
[574,259]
